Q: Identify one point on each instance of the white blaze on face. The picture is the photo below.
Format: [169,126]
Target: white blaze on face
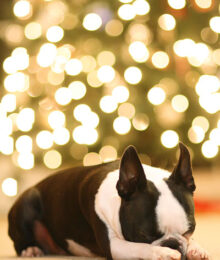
[171,217]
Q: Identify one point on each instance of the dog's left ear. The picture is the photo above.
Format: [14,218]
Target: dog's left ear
[182,173]
[131,175]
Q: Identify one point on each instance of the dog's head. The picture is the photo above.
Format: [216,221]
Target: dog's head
[156,212]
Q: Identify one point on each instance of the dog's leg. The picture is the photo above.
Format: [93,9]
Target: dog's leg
[122,249]
[196,252]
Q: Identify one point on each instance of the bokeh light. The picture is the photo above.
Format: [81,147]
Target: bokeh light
[160,59]
[156,95]
[169,139]
[10,187]
[209,149]
[122,125]
[133,75]
[92,22]
[52,159]
[108,104]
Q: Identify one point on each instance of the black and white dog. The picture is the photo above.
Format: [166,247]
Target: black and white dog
[120,210]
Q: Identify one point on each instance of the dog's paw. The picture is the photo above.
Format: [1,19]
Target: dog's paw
[196,252]
[32,252]
[165,253]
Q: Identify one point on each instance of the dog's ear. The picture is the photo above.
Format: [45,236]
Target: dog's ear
[182,173]
[131,175]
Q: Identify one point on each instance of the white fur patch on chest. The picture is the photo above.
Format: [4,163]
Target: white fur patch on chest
[171,217]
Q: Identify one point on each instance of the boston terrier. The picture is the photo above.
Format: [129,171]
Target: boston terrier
[119,210]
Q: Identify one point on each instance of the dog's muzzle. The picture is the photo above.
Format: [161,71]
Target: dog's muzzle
[174,244]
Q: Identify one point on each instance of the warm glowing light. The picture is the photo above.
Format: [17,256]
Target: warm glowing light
[108,104]
[156,95]
[215,136]
[106,73]
[6,144]
[120,94]
[61,136]
[92,159]
[92,22]
[52,159]
[88,63]
[126,12]
[180,103]
[169,138]
[106,58]
[126,110]
[180,4]
[33,31]
[10,187]
[133,75]
[56,119]
[25,119]
[22,9]
[114,28]
[26,160]
[9,65]
[24,144]
[141,7]
[73,67]
[204,4]
[199,55]
[108,153]
[93,79]
[81,112]
[207,84]
[77,89]
[122,125]
[46,55]
[167,22]
[85,135]
[140,122]
[196,134]
[139,51]
[209,149]
[9,102]
[20,58]
[216,56]
[91,120]
[6,126]
[202,122]
[210,102]
[184,48]
[63,96]
[215,24]
[44,139]
[55,34]
[18,81]
[160,59]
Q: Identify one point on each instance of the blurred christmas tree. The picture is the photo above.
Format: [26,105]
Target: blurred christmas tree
[83,79]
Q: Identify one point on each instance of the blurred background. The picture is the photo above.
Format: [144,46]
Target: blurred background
[82,79]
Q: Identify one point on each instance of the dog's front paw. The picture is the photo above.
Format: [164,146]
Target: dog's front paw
[165,253]
[32,252]
[196,252]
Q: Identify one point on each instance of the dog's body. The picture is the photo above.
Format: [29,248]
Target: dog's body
[120,210]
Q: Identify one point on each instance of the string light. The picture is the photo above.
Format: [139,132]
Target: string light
[113,50]
[9,187]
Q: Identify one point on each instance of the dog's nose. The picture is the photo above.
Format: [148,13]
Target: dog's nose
[174,244]
[171,243]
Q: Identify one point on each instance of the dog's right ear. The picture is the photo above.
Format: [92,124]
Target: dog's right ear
[131,175]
